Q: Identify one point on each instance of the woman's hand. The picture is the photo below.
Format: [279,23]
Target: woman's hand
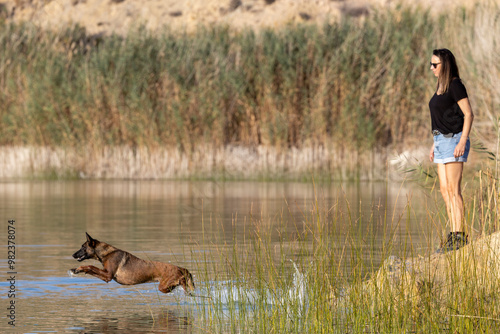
[431,154]
[459,149]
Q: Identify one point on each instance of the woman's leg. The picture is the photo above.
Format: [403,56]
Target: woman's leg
[454,180]
[450,179]
[443,187]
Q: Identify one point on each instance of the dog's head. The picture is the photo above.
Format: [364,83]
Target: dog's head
[88,250]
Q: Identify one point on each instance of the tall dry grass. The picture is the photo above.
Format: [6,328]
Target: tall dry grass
[349,86]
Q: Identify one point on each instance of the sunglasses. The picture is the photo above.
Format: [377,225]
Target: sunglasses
[434,65]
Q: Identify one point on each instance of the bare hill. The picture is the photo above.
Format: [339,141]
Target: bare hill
[106,16]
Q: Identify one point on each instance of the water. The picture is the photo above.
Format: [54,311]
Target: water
[168,221]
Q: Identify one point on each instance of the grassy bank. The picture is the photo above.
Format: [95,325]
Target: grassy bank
[348,86]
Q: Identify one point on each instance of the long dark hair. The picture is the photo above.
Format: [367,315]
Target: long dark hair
[449,68]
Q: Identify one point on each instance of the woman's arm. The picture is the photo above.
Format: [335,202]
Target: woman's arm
[468,118]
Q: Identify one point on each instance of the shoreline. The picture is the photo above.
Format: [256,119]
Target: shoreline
[232,162]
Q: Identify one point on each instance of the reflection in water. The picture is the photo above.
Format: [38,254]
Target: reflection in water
[168,321]
[176,222]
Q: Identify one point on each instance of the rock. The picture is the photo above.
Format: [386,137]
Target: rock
[176,13]
[435,276]
[234,4]
[304,16]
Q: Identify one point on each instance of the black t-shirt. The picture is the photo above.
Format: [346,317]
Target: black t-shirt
[446,115]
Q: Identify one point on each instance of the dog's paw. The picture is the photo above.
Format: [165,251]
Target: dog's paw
[73,271]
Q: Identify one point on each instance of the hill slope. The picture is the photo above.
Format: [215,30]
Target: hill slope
[105,16]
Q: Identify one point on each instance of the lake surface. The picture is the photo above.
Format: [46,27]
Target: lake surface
[178,222]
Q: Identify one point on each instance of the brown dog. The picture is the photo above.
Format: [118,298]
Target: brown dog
[128,269]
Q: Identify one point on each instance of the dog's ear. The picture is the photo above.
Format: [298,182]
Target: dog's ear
[92,242]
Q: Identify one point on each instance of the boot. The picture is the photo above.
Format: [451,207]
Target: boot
[454,241]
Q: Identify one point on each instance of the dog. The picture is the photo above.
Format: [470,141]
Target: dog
[128,269]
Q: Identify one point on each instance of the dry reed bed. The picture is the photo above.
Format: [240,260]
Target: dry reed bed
[353,86]
[228,162]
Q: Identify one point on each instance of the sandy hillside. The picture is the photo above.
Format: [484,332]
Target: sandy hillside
[105,16]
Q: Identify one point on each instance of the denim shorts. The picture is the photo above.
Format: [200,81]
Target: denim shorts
[444,148]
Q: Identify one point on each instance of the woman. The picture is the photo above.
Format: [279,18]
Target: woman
[451,117]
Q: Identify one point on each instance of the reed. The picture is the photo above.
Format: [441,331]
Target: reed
[348,86]
[325,274]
